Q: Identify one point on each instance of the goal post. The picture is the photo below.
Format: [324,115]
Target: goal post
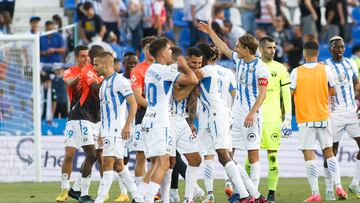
[24,52]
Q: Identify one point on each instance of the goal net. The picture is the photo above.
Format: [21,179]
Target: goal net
[20,123]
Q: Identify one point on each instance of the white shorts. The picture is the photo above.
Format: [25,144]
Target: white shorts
[205,142]
[246,138]
[158,141]
[342,123]
[308,137]
[183,139]
[138,140]
[113,147]
[79,133]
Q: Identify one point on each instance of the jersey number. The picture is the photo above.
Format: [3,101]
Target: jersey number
[152,94]
[85,131]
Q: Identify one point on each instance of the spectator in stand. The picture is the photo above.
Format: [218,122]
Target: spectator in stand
[96,6]
[35,25]
[5,22]
[219,16]
[8,5]
[247,10]
[308,18]
[58,85]
[267,15]
[200,12]
[356,55]
[294,48]
[159,17]
[48,100]
[134,23]
[91,24]
[111,17]
[112,40]
[225,5]
[292,5]
[169,7]
[332,27]
[342,8]
[260,32]
[57,23]
[52,46]
[281,36]
[233,32]
[148,27]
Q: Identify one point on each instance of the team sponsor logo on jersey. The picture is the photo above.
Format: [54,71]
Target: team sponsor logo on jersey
[106,143]
[275,137]
[192,139]
[133,78]
[251,137]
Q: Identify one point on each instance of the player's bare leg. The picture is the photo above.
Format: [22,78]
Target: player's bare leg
[139,167]
[86,172]
[194,161]
[99,159]
[66,170]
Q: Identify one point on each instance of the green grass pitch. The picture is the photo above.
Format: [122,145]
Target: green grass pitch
[290,190]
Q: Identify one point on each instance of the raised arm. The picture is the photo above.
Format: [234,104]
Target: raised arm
[188,76]
[206,28]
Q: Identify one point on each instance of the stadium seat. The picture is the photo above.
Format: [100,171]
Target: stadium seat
[348,50]
[184,39]
[356,34]
[178,15]
[356,15]
[324,52]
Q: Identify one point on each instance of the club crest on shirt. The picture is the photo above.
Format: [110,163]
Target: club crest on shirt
[273,73]
[106,143]
[275,137]
[133,78]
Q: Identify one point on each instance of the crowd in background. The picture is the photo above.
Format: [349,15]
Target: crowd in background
[119,25]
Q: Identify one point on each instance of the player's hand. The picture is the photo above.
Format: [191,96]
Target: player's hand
[125,133]
[249,120]
[182,61]
[204,27]
[199,74]
[51,51]
[286,129]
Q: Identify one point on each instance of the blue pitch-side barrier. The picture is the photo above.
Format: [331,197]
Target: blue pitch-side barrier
[57,127]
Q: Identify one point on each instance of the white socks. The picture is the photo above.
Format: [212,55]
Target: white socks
[356,177]
[209,175]
[138,180]
[333,167]
[142,190]
[190,181]
[151,190]
[234,176]
[255,173]
[165,187]
[128,181]
[123,189]
[312,175]
[105,185]
[248,182]
[77,184]
[65,183]
[85,185]
[328,181]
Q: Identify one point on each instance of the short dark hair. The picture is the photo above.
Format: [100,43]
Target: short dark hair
[104,54]
[80,48]
[94,51]
[87,5]
[250,42]
[157,45]
[264,40]
[176,52]
[210,52]
[116,60]
[49,22]
[147,40]
[193,51]
[129,53]
[355,49]
[227,23]
[311,45]
[217,10]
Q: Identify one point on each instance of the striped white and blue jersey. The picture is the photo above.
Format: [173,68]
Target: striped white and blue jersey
[227,83]
[249,76]
[178,107]
[210,91]
[344,72]
[113,93]
[159,83]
